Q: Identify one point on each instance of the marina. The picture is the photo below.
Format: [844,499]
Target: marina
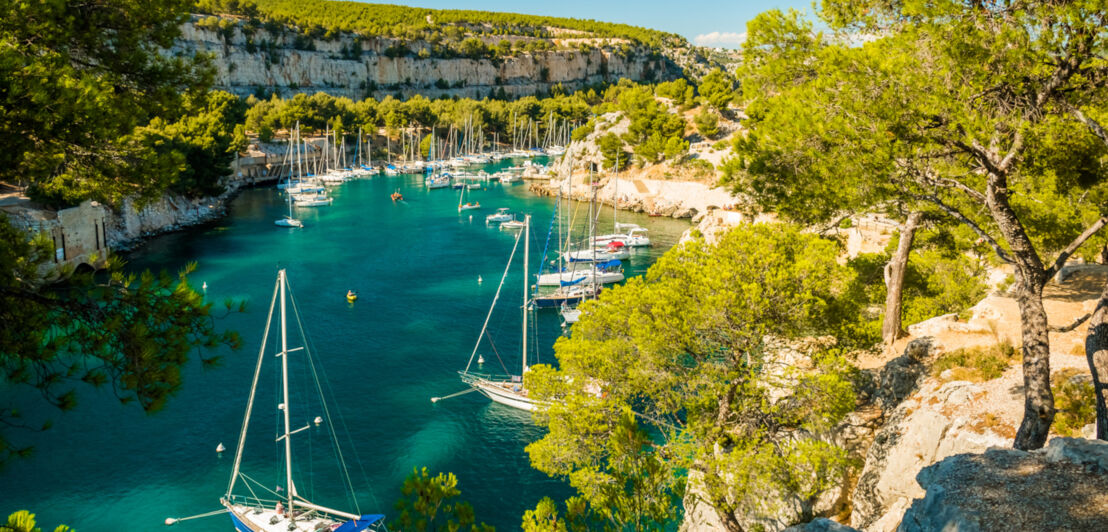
[415,267]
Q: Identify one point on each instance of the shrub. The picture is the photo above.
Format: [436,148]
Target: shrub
[707,123]
[1075,399]
[976,364]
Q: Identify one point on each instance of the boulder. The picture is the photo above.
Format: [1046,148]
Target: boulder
[1062,487]
[921,431]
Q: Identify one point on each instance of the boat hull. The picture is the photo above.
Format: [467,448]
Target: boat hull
[555,302]
[586,276]
[597,255]
[495,391]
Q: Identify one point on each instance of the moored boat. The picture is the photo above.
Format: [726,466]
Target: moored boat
[262,509]
[509,390]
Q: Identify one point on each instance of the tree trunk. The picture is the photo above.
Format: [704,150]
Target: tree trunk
[730,523]
[1038,399]
[1096,351]
[891,329]
[1031,277]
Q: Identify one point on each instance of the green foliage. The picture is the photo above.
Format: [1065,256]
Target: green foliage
[693,348]
[707,123]
[976,364]
[492,117]
[836,127]
[637,491]
[429,505]
[433,24]
[131,332]
[584,131]
[945,274]
[674,90]
[207,140]
[654,133]
[72,92]
[1075,398]
[24,521]
[611,148]
[717,89]
[545,517]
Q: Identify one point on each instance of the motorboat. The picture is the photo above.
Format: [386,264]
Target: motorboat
[501,215]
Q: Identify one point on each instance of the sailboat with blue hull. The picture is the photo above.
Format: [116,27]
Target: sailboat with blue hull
[265,509]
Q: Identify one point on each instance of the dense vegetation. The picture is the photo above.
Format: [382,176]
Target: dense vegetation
[492,117]
[89,109]
[655,132]
[323,18]
[979,116]
[75,82]
[707,375]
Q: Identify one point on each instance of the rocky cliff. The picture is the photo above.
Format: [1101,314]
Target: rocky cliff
[911,417]
[276,61]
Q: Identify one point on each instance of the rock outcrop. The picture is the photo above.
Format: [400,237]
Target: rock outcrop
[269,61]
[921,431]
[1062,487]
[637,190]
[822,524]
[169,213]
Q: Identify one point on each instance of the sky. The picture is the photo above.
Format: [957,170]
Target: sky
[703,22]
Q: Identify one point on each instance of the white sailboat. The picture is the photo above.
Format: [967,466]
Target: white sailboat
[611,251]
[508,389]
[466,206]
[268,510]
[289,221]
[629,235]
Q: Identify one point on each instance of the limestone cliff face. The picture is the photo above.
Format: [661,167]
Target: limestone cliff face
[271,62]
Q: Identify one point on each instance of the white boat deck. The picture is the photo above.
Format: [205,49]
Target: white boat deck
[267,520]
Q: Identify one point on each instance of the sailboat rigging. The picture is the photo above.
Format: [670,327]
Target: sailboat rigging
[287,511]
[507,389]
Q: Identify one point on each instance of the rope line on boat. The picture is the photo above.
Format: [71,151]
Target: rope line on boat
[253,391]
[496,297]
[463,392]
[175,520]
[497,353]
[323,404]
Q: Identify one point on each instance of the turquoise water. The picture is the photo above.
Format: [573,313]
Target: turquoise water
[415,264]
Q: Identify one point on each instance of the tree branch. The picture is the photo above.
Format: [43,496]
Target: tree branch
[1093,125]
[1004,256]
[1070,249]
[1076,323]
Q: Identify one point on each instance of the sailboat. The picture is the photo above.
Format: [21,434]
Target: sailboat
[506,389]
[466,206]
[613,250]
[289,221]
[286,510]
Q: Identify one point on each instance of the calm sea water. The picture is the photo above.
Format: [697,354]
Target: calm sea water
[415,264]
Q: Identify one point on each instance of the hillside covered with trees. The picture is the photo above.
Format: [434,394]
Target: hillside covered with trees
[321,18]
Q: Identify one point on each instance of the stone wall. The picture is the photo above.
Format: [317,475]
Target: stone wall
[79,235]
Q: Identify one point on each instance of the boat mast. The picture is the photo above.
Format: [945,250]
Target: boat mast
[299,164]
[615,199]
[291,489]
[526,284]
